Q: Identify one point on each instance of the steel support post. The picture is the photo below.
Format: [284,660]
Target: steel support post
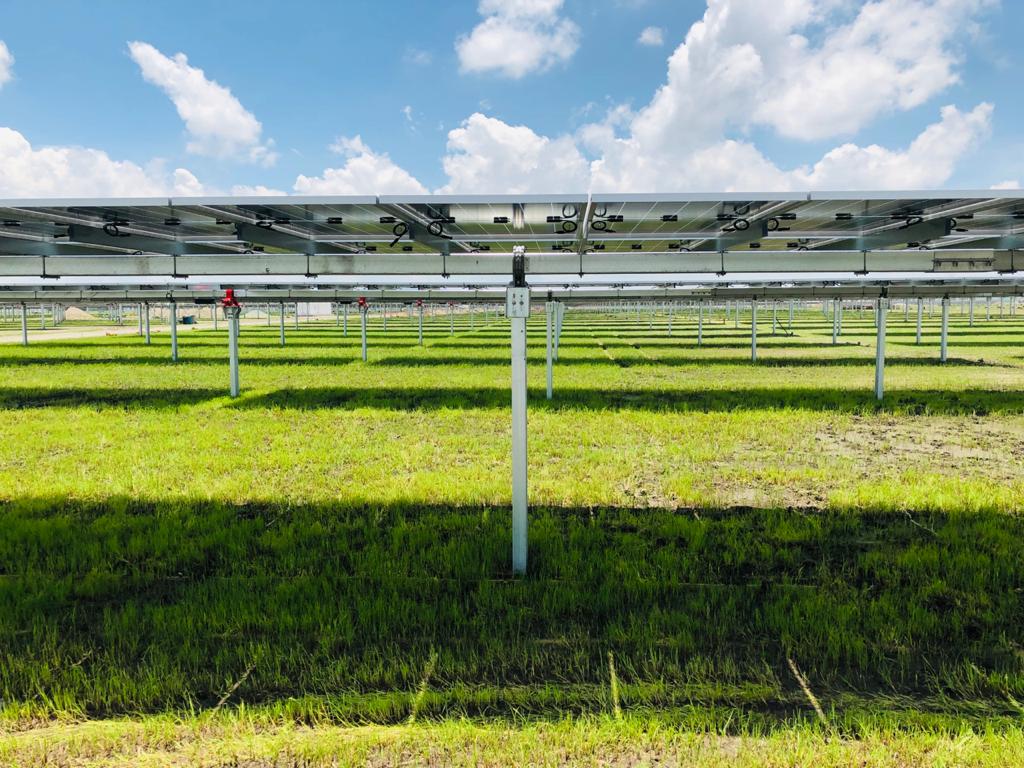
[559,317]
[344,319]
[282,323]
[520,498]
[451,320]
[790,329]
[775,317]
[549,309]
[835,323]
[700,323]
[944,341]
[24,324]
[140,319]
[233,314]
[970,319]
[174,332]
[670,319]
[421,324]
[920,311]
[145,318]
[296,315]
[882,311]
[362,325]
[337,315]
[753,330]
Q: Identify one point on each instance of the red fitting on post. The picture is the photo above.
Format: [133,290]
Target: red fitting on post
[229,299]
[419,302]
[362,303]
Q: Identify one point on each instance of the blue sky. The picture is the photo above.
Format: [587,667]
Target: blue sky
[576,111]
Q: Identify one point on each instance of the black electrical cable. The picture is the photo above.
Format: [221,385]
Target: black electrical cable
[399,231]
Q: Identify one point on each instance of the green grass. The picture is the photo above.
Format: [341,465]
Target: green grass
[342,528]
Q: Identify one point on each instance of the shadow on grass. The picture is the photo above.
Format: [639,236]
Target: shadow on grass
[933,402]
[128,397]
[125,605]
[656,356]
[566,399]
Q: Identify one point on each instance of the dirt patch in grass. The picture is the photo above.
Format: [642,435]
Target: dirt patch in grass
[960,446]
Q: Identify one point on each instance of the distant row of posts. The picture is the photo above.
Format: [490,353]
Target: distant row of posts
[554,317]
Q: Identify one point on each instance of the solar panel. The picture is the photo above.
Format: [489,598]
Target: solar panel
[965,232]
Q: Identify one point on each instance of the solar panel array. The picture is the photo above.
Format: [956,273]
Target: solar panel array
[465,235]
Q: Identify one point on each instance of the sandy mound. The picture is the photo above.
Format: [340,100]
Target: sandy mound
[74,313]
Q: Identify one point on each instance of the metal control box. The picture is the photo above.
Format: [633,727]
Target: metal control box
[517,302]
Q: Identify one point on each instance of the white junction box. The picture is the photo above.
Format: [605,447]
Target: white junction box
[517,302]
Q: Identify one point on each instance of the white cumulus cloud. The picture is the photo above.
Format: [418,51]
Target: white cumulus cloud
[488,155]
[63,171]
[6,64]
[365,172]
[218,124]
[652,36]
[518,37]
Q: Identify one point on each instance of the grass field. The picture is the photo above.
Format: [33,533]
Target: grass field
[716,545]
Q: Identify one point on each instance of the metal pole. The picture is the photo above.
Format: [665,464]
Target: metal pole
[451,319]
[296,315]
[549,307]
[882,308]
[753,330]
[282,323]
[421,323]
[146,312]
[24,324]
[943,344]
[920,311]
[519,467]
[559,317]
[233,315]
[140,319]
[362,321]
[344,320]
[790,316]
[670,319]
[174,332]
[835,322]
[775,316]
[970,320]
[700,323]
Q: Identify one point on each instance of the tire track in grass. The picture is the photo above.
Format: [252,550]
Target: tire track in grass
[607,352]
